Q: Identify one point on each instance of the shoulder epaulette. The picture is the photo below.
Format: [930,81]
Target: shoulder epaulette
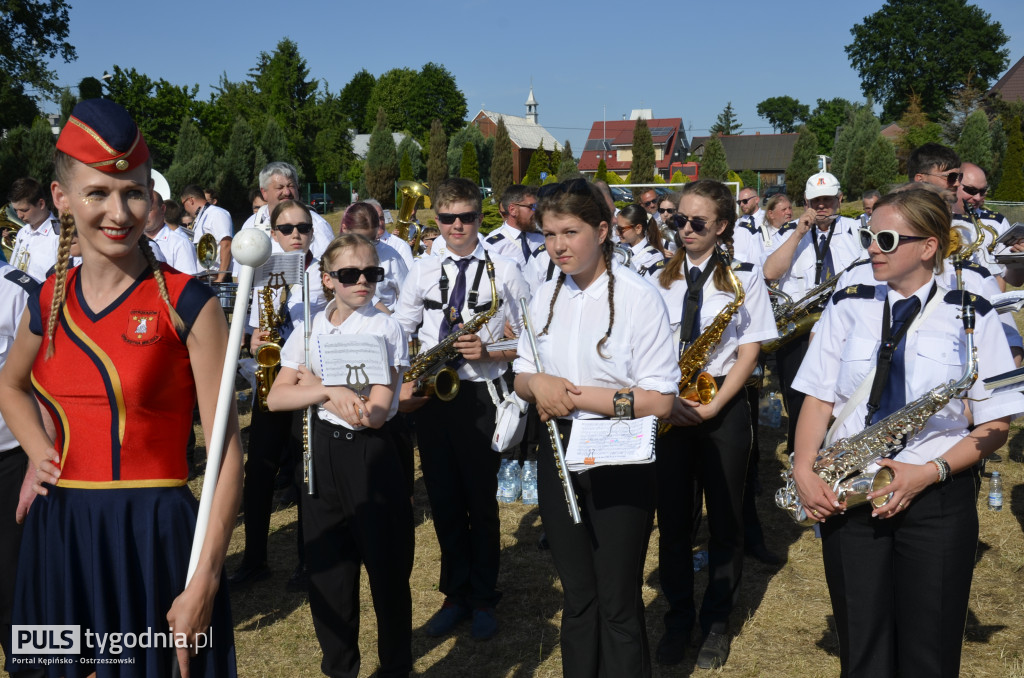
[542,248]
[989,214]
[495,238]
[651,249]
[854,292]
[955,297]
[785,228]
[745,266]
[977,268]
[23,280]
[748,224]
[648,270]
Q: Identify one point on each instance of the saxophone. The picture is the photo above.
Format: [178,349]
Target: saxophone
[430,367]
[268,355]
[694,384]
[841,465]
[794,319]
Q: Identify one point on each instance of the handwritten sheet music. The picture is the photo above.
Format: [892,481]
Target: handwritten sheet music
[281,269]
[599,442]
[354,360]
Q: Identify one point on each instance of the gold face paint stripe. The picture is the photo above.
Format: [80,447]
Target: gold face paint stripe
[55,406]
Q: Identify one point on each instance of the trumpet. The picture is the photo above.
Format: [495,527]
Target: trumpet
[10,224]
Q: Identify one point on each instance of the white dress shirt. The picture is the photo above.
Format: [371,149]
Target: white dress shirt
[398,245]
[214,220]
[395,273]
[295,311]
[323,234]
[506,240]
[363,320]
[35,249]
[646,258]
[639,353]
[15,288]
[845,248]
[178,252]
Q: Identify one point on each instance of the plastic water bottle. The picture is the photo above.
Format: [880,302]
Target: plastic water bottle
[700,560]
[764,415]
[995,492]
[530,482]
[509,482]
[776,409]
[502,474]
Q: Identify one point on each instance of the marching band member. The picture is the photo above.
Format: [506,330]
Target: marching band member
[640,232]
[459,469]
[589,361]
[103,346]
[754,244]
[900,575]
[361,219]
[178,252]
[390,239]
[666,208]
[35,246]
[709,443]
[272,432]
[517,238]
[208,218]
[279,181]
[361,512]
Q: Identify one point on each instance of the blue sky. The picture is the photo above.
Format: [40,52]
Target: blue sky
[586,60]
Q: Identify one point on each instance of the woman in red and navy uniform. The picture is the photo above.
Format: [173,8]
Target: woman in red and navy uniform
[117,350]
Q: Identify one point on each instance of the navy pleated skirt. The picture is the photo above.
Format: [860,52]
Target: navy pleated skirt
[112,561]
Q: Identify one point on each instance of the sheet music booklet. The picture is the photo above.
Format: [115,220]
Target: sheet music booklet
[603,442]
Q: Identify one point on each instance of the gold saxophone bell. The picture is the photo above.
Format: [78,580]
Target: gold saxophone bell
[956,241]
[702,389]
[268,358]
[206,251]
[444,384]
[411,192]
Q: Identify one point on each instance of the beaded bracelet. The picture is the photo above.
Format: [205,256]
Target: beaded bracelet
[943,467]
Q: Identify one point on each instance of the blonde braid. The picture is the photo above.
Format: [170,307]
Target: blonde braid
[161,282]
[611,298]
[67,232]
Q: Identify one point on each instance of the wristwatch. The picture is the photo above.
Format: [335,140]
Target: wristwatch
[623,404]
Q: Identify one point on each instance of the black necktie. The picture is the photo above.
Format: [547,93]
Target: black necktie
[894,396]
[453,312]
[526,246]
[690,329]
[827,268]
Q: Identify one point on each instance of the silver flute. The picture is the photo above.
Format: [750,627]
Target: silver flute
[307,424]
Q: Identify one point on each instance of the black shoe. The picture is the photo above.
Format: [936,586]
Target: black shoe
[542,543]
[714,651]
[761,552]
[248,573]
[485,625]
[299,581]
[672,647]
[447,618]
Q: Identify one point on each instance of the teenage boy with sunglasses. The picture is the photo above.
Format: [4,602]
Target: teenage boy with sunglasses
[459,469]
[812,249]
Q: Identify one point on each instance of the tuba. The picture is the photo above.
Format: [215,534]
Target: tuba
[207,252]
[406,226]
[842,464]
[431,368]
[694,384]
[268,355]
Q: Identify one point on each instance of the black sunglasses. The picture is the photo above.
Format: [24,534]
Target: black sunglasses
[887,241]
[350,276]
[667,210]
[678,221]
[951,178]
[971,190]
[286,229]
[744,201]
[448,218]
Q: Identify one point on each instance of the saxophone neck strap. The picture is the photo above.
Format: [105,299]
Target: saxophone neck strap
[862,392]
[691,307]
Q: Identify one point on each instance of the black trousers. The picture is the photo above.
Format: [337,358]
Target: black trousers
[360,515]
[269,434]
[460,472]
[13,464]
[787,360]
[900,586]
[600,563]
[715,453]
[753,534]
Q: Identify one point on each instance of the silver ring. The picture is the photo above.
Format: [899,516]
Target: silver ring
[360,413]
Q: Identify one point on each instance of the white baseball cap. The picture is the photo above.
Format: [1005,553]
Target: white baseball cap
[821,184]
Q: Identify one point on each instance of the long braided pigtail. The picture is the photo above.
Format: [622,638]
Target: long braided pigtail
[161,282]
[67,233]
[551,308]
[611,298]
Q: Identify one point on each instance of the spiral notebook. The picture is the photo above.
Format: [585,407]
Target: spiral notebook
[606,442]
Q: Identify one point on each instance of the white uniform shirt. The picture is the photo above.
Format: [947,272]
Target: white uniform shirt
[440,247]
[178,252]
[753,241]
[363,320]
[293,303]
[506,240]
[423,283]
[539,269]
[214,220]
[845,248]
[400,246]
[646,258]
[15,288]
[753,322]
[845,347]
[323,234]
[640,351]
[395,273]
[35,249]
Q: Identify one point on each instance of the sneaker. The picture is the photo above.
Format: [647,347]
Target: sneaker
[672,647]
[714,651]
[447,618]
[485,625]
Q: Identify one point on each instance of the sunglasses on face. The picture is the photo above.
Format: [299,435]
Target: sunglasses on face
[951,178]
[532,206]
[350,276]
[971,190]
[744,201]
[286,229]
[679,221]
[448,218]
[650,203]
[887,241]
[667,210]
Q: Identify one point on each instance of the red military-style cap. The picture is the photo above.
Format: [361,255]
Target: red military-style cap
[102,134]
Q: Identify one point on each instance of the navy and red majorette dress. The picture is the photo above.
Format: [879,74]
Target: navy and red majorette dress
[108,547]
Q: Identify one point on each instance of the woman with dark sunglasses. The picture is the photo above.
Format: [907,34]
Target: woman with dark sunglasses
[639,231]
[666,208]
[291,230]
[899,575]
[709,443]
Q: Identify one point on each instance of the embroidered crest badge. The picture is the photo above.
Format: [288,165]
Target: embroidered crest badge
[142,327]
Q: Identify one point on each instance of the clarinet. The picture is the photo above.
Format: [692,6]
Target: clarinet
[556,438]
[307,419]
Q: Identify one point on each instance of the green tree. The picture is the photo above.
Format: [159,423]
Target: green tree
[803,164]
[538,164]
[437,158]
[354,98]
[880,165]
[826,117]
[391,92]
[286,92]
[404,167]
[409,147]
[468,168]
[726,123]
[850,155]
[235,168]
[90,88]
[435,96]
[679,178]
[229,100]
[37,151]
[999,141]
[17,108]
[748,179]
[975,143]
[554,160]
[961,104]
[568,169]
[501,165]
[1011,185]
[193,159]
[382,162]
[484,150]
[714,164]
[67,103]
[918,129]
[642,166]
[273,146]
[332,148]
[602,171]
[927,47]
[783,113]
